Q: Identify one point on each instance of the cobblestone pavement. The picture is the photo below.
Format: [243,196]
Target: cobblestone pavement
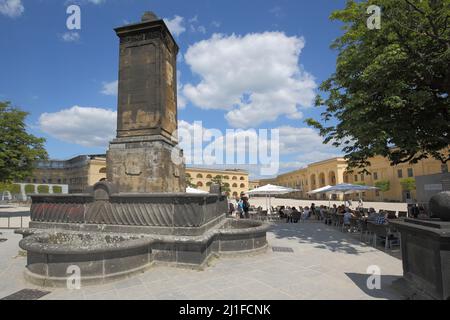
[325,264]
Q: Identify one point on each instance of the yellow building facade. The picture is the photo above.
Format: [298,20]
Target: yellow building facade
[86,170]
[334,171]
[236,180]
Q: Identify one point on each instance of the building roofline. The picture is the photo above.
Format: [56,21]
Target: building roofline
[229,171]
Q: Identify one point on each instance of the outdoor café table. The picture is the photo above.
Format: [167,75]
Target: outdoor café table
[381,230]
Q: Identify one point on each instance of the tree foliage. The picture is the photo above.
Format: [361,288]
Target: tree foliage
[408,184]
[389,93]
[43,189]
[13,188]
[18,149]
[383,185]
[57,189]
[219,180]
[189,182]
[30,188]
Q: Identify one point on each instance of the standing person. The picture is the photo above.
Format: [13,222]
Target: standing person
[360,203]
[246,207]
[306,214]
[239,208]
[231,208]
[312,210]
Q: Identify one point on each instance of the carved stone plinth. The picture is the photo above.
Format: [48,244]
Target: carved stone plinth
[145,165]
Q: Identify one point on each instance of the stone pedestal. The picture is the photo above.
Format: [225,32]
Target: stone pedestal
[145,165]
[426,258]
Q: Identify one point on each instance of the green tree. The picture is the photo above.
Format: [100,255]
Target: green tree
[408,184]
[189,182]
[18,149]
[13,188]
[57,189]
[389,93]
[383,185]
[30,188]
[219,180]
[43,189]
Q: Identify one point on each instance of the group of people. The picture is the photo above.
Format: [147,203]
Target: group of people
[322,213]
[240,208]
[294,215]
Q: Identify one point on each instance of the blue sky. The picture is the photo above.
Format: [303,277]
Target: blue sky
[47,70]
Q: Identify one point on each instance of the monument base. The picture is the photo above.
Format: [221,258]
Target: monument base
[145,164]
[109,235]
[425,248]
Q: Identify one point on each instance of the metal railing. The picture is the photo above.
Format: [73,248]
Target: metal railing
[8,216]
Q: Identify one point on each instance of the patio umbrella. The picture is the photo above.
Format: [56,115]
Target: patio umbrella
[322,190]
[196,191]
[347,188]
[269,190]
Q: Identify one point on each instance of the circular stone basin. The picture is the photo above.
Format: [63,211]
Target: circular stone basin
[51,257]
[102,256]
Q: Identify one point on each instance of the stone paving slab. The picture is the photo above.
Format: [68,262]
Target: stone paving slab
[325,264]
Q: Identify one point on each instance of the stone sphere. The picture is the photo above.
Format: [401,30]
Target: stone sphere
[440,205]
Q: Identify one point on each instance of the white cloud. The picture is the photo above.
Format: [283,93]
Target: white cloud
[201,29]
[277,11]
[70,37]
[110,88]
[88,127]
[216,24]
[297,146]
[256,77]
[181,100]
[176,25]
[11,8]
[96,1]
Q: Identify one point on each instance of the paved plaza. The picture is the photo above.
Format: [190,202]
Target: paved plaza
[325,264]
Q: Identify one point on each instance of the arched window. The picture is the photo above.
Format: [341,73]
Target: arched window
[102,170]
[234,178]
[209,176]
[242,185]
[242,179]
[226,177]
[227,185]
[188,175]
[199,184]
[234,185]
[199,176]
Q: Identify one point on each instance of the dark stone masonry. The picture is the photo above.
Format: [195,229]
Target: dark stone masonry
[426,252]
[141,215]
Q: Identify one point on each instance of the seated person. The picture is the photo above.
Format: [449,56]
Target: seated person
[372,214]
[382,218]
[295,215]
[306,213]
[347,216]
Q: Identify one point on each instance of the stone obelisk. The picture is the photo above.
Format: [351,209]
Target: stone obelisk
[139,160]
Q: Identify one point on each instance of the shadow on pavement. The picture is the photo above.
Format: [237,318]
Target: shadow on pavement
[386,290]
[320,235]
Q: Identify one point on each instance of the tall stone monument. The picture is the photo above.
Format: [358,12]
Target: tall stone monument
[139,160]
[142,215]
